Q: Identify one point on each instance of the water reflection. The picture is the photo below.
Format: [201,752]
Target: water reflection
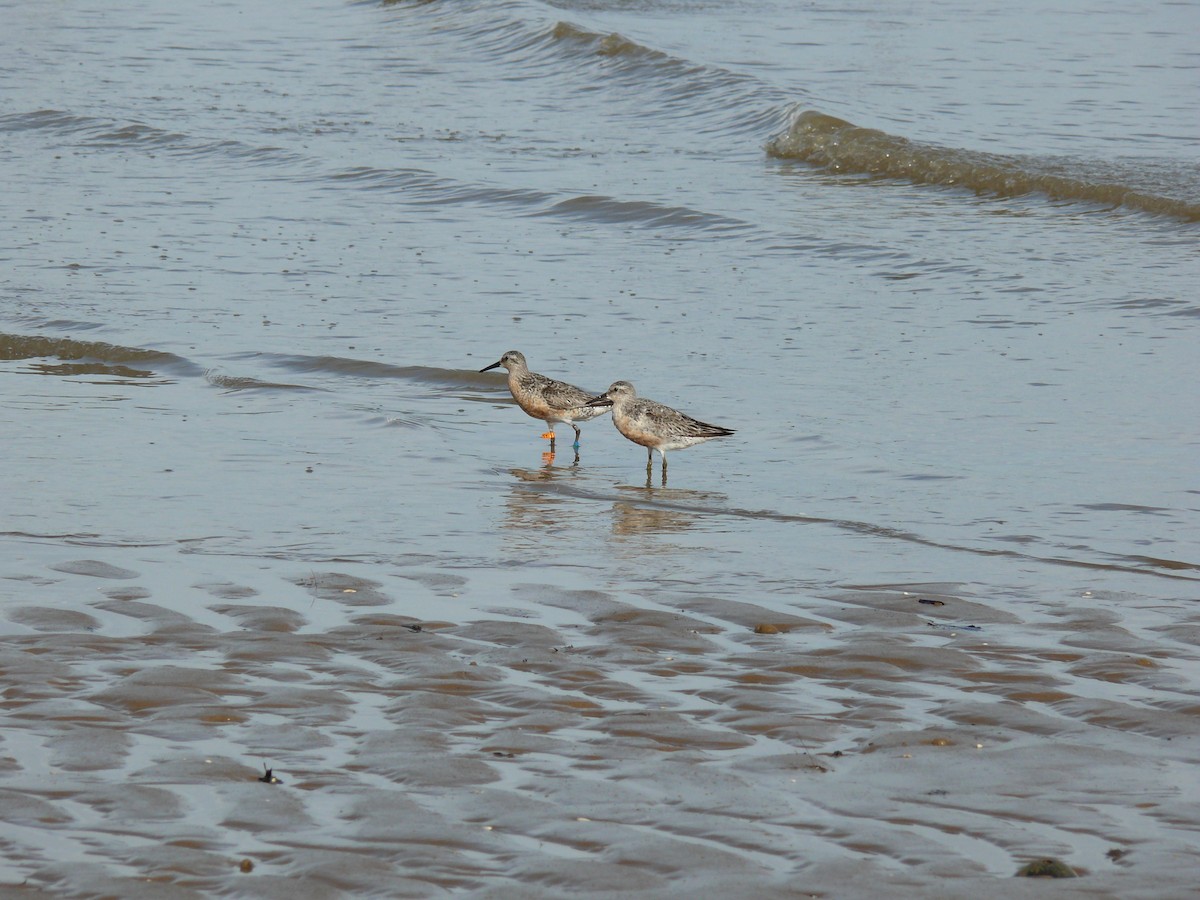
[660,510]
[548,470]
[629,519]
[531,513]
[118,373]
[555,505]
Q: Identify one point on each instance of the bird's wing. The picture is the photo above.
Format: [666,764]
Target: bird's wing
[561,395]
[680,421]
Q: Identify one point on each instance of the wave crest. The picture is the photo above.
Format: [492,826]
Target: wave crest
[612,44]
[20,346]
[840,146]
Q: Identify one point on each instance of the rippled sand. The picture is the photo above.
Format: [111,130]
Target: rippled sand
[892,737]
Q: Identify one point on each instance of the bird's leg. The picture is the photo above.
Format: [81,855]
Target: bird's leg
[550,435]
[664,456]
[577,434]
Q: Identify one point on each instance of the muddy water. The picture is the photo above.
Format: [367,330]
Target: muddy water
[929,615]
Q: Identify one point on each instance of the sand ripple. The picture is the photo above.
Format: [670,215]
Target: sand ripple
[613,744]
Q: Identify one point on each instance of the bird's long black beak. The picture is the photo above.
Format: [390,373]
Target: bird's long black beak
[492,366]
[602,400]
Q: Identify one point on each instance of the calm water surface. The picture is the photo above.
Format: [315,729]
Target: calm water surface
[929,615]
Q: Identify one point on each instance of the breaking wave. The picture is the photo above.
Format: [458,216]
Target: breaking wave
[838,146]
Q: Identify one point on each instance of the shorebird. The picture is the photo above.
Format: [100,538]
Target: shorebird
[653,425]
[544,398]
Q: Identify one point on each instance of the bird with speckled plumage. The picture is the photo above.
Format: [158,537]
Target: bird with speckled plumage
[654,425]
[545,398]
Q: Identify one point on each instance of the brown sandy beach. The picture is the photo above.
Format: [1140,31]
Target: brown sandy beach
[885,738]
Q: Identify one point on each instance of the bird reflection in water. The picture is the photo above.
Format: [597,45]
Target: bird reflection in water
[548,458]
[558,501]
[653,510]
[630,519]
[531,512]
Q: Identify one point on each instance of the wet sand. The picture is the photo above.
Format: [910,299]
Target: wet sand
[905,738]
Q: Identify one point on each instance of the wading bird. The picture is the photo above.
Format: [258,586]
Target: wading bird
[544,398]
[653,425]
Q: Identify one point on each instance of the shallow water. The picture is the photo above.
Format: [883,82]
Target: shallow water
[930,614]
